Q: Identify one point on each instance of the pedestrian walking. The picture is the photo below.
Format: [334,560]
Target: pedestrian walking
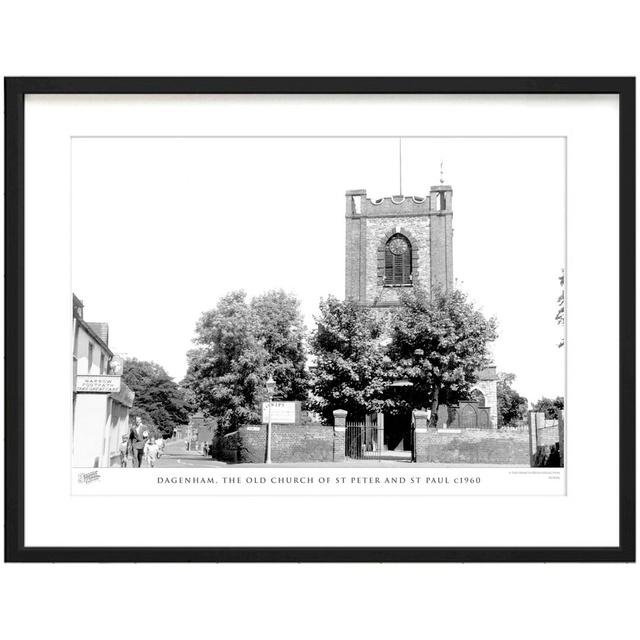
[138,452]
[131,453]
[161,443]
[124,450]
[151,452]
[138,438]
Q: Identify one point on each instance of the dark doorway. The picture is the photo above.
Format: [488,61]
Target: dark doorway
[381,438]
[397,432]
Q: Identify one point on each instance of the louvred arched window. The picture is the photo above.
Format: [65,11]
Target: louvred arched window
[397,261]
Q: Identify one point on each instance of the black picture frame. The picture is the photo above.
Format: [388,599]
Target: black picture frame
[15,91]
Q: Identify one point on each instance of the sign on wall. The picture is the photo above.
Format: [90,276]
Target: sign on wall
[98,384]
[281,412]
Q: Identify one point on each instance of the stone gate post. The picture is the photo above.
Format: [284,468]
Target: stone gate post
[339,428]
[561,417]
[536,420]
[421,428]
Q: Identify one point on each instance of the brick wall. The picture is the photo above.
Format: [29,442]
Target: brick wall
[289,443]
[308,443]
[353,248]
[441,251]
[252,444]
[473,446]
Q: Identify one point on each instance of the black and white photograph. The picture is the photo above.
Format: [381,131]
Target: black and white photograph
[318,302]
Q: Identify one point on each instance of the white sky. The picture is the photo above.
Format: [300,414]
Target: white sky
[162,227]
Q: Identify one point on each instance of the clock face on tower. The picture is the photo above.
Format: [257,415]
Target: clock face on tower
[398,246]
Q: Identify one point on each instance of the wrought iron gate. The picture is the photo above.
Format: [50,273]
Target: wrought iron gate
[367,440]
[363,440]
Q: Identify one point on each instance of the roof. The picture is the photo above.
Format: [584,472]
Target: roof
[101,329]
[94,329]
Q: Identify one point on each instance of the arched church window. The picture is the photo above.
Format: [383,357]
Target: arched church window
[397,261]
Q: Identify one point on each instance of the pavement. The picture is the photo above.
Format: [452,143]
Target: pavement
[176,456]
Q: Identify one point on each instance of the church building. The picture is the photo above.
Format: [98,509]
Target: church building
[401,242]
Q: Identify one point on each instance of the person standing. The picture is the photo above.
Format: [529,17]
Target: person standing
[130,453]
[151,452]
[124,449]
[160,442]
[138,451]
[138,440]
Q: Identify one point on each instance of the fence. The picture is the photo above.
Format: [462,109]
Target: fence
[363,440]
[374,440]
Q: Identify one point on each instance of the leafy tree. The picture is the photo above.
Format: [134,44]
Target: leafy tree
[349,369]
[279,328]
[439,344]
[560,313]
[227,369]
[511,405]
[551,408]
[159,401]
[241,343]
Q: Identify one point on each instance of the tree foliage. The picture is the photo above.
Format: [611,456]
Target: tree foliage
[439,344]
[281,332]
[238,345]
[551,407]
[159,401]
[349,369]
[560,312]
[512,407]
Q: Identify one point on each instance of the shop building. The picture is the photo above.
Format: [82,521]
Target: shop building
[101,400]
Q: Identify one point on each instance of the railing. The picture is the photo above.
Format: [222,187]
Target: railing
[365,440]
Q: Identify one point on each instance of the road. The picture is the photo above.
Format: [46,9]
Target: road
[176,456]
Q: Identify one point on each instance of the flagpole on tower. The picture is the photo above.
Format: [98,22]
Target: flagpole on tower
[400,163]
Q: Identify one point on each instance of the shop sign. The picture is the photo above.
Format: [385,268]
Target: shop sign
[98,384]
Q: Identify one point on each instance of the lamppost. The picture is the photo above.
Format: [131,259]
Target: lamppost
[271,388]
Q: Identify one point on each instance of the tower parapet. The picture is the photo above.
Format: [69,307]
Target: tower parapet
[397,242]
[437,201]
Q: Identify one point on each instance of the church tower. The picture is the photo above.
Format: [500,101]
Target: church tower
[398,243]
[403,243]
